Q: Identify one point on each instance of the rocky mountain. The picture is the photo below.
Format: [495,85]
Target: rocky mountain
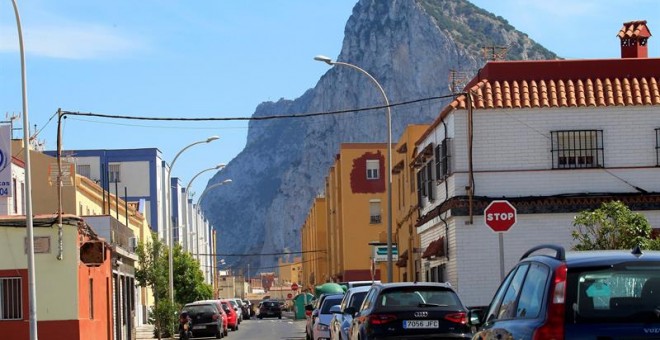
[409,46]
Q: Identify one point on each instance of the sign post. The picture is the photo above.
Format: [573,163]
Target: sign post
[500,216]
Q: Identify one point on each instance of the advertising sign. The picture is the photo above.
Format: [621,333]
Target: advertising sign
[380,253]
[5,160]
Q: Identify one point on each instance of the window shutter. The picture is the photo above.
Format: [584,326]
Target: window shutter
[420,185]
[429,181]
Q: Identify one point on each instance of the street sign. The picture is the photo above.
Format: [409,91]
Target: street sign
[294,286]
[380,253]
[289,296]
[500,216]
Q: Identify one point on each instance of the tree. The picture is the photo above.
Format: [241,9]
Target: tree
[152,272]
[189,282]
[612,226]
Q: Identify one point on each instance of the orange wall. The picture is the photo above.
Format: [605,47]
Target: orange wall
[100,327]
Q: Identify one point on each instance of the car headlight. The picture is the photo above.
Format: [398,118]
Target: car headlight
[322,328]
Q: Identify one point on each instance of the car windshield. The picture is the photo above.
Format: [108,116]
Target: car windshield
[329,302]
[418,296]
[625,293]
[270,304]
[199,309]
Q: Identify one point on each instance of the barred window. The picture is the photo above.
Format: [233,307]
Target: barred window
[372,168]
[374,211]
[576,149]
[83,170]
[11,298]
[114,172]
[657,147]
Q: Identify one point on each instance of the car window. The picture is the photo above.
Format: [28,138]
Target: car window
[508,307]
[625,293]
[415,296]
[366,304]
[328,303]
[533,291]
[494,307]
[356,299]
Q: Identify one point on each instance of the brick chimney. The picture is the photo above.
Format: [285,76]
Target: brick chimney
[634,37]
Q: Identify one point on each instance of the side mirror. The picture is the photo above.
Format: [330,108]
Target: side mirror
[335,309]
[350,310]
[315,313]
[475,315]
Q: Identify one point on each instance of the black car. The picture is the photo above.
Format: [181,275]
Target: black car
[269,308]
[206,320]
[554,294]
[410,310]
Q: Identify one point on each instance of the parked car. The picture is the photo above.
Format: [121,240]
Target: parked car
[576,295]
[341,320]
[314,310]
[353,284]
[420,310]
[206,319]
[321,326]
[245,309]
[250,307]
[232,316]
[269,308]
[237,308]
[223,315]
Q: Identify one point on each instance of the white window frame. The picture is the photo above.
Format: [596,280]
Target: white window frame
[373,169]
[375,212]
[84,170]
[114,172]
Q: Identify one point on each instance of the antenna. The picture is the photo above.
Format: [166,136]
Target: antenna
[494,53]
[457,81]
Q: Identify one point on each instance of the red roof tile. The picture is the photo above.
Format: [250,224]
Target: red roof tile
[634,29]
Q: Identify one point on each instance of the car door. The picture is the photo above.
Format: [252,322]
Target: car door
[361,316]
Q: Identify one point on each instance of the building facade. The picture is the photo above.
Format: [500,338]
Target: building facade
[314,235]
[553,138]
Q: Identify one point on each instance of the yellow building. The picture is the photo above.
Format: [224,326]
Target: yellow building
[290,271]
[314,246]
[356,199]
[406,205]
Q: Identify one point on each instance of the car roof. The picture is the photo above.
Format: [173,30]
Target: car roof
[588,258]
[358,289]
[412,284]
[200,303]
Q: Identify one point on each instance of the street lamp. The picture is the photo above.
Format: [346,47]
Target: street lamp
[217,167]
[32,287]
[170,227]
[389,154]
[215,185]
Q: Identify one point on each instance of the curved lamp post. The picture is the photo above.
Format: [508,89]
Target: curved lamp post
[170,227]
[215,185]
[32,290]
[217,167]
[389,154]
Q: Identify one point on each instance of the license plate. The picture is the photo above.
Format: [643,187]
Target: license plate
[199,327]
[420,324]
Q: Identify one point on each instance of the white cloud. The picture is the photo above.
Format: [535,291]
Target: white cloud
[71,42]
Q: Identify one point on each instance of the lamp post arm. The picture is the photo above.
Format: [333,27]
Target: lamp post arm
[215,185]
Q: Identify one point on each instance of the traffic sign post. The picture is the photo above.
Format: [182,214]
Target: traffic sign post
[500,216]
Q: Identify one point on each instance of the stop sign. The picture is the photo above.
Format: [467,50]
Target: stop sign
[294,286]
[500,216]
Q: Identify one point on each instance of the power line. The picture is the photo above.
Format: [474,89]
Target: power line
[299,115]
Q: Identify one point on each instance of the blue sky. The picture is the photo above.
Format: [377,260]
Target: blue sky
[212,58]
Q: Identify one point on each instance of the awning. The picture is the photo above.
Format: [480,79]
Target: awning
[435,249]
[403,259]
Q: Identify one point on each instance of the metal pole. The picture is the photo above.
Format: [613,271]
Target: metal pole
[168,207]
[500,236]
[32,291]
[389,157]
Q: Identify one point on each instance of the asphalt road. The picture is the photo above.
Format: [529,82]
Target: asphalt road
[268,329]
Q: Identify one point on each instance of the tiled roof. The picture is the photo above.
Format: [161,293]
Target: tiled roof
[560,83]
[634,29]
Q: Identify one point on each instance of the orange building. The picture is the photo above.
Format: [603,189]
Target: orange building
[290,271]
[404,197]
[356,200]
[314,246]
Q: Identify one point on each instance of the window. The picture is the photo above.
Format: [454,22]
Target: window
[372,168]
[577,149]
[509,303]
[533,291]
[657,147]
[84,170]
[114,172]
[15,198]
[442,158]
[374,211]
[429,181]
[11,300]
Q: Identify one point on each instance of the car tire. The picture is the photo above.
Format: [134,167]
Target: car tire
[279,316]
[219,334]
[226,331]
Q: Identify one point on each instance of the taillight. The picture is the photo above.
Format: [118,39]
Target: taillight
[381,319]
[553,328]
[460,317]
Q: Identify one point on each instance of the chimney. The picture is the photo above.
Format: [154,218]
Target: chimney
[634,36]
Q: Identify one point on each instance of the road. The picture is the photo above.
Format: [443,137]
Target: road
[268,329]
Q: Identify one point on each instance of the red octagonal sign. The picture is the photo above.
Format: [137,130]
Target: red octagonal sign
[500,216]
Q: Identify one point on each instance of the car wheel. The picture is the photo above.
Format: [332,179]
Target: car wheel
[219,334]
[226,331]
[279,316]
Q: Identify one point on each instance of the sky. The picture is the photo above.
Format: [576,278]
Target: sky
[220,58]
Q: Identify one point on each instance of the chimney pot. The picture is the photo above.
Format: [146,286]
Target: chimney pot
[634,37]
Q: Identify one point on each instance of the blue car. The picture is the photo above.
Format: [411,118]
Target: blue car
[341,320]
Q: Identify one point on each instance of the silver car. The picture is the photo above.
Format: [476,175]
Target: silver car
[341,320]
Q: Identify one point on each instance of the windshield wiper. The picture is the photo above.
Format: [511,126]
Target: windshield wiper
[424,304]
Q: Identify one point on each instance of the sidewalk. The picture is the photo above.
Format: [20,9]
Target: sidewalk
[145,332]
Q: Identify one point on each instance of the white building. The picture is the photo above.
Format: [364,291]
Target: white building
[552,137]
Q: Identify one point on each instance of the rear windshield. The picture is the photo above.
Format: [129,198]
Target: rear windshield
[200,309]
[416,296]
[270,304]
[328,303]
[624,293]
